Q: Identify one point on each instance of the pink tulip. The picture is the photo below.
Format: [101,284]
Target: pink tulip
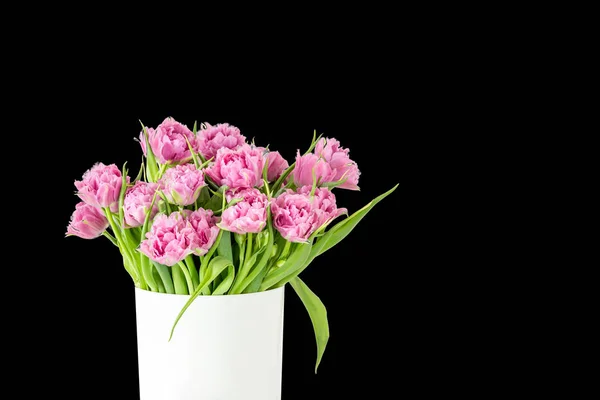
[100,186]
[276,165]
[203,232]
[246,216]
[240,168]
[296,215]
[87,222]
[138,199]
[168,241]
[182,184]
[339,161]
[168,141]
[211,139]
[310,164]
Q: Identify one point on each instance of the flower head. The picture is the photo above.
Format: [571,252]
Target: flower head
[215,137]
[339,161]
[309,167]
[168,141]
[182,184]
[100,186]
[138,199]
[204,230]
[296,215]
[240,168]
[276,165]
[246,216]
[167,242]
[87,222]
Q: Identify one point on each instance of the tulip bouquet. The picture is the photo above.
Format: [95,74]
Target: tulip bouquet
[211,214]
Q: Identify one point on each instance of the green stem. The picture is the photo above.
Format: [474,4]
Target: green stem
[147,272]
[241,255]
[161,171]
[130,271]
[189,262]
[244,265]
[111,238]
[286,250]
[278,182]
[188,278]
[158,280]
[123,248]
[165,276]
[179,280]
[249,241]
[203,266]
[205,260]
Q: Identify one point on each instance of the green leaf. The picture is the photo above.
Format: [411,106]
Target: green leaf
[215,203]
[294,263]
[226,283]
[318,315]
[284,175]
[335,184]
[344,227]
[146,225]
[147,272]
[224,248]
[140,172]
[314,142]
[243,272]
[182,279]
[234,201]
[197,161]
[151,166]
[158,280]
[204,197]
[122,196]
[191,267]
[215,267]
[335,235]
[165,276]
[204,162]
[251,283]
[254,284]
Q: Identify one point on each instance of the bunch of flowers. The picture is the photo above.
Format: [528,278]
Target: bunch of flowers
[211,214]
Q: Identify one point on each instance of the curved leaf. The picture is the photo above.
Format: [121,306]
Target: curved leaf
[225,283]
[344,227]
[215,267]
[318,315]
[151,167]
[290,268]
[224,248]
[251,283]
[165,276]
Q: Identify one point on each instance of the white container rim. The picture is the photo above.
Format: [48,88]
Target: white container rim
[148,292]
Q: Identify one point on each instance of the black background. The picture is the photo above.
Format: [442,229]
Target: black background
[371,283]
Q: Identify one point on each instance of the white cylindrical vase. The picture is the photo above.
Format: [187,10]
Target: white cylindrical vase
[224,347]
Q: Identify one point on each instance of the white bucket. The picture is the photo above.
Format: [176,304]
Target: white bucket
[224,347]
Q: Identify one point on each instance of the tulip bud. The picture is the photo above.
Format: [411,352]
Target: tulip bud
[87,222]
[138,199]
[273,250]
[182,184]
[249,215]
[101,186]
[214,137]
[168,141]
